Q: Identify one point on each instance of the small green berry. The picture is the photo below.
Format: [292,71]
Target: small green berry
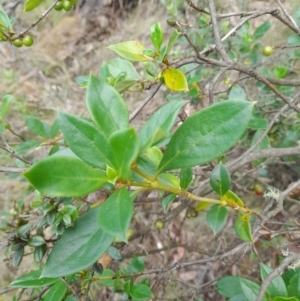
[59,5]
[17,43]
[28,41]
[159,224]
[67,5]
[267,50]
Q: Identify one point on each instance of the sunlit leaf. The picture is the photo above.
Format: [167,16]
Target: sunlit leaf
[175,80]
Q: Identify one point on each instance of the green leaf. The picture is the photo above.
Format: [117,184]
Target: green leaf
[5,105]
[64,176]
[39,253]
[159,124]
[124,85]
[285,299]
[237,93]
[117,66]
[220,179]
[54,128]
[265,143]
[156,35]
[233,199]
[108,282]
[261,30]
[175,80]
[277,286]
[115,214]
[106,106]
[186,177]
[171,42]
[294,285]
[154,154]
[242,227]
[280,71]
[4,20]
[206,135]
[24,147]
[56,292]
[166,201]
[85,140]
[131,50]
[114,253]
[140,292]
[79,247]
[37,127]
[32,4]
[137,264]
[23,231]
[216,217]
[32,279]
[258,123]
[239,288]
[125,147]
[18,256]
[36,241]
[293,39]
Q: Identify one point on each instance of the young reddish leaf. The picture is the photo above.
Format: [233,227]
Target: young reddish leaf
[64,176]
[131,50]
[233,199]
[115,214]
[220,179]
[242,227]
[175,80]
[216,217]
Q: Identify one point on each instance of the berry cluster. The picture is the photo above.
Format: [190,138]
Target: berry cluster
[65,5]
[26,41]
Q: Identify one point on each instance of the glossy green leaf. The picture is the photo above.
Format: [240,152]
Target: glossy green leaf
[166,201]
[140,292]
[171,42]
[220,179]
[154,154]
[37,127]
[233,199]
[32,4]
[186,177]
[79,247]
[36,241]
[216,217]
[280,71]
[64,176]
[106,106]
[261,30]
[117,66]
[18,256]
[242,227]
[32,279]
[239,289]
[85,140]
[23,231]
[159,124]
[115,214]
[167,179]
[54,129]
[294,285]
[277,286]
[156,35]
[39,253]
[206,135]
[131,50]
[4,20]
[56,292]
[125,147]
[24,147]
[175,80]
